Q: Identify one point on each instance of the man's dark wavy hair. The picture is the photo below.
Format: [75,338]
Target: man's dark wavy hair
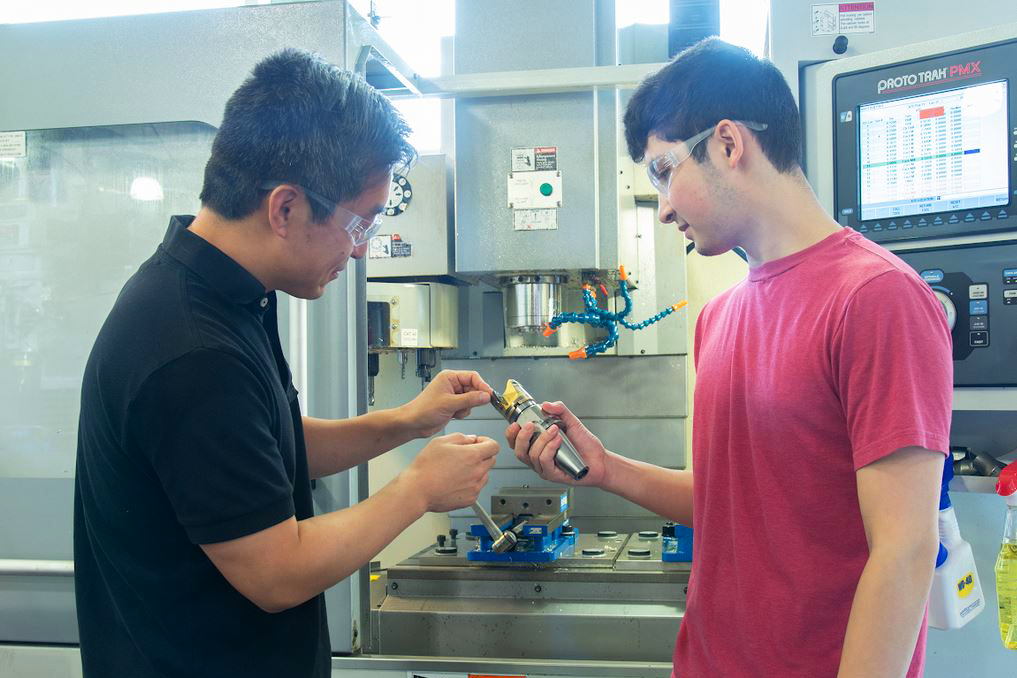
[706,83]
[300,119]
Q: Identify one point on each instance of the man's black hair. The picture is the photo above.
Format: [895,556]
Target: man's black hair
[300,119]
[708,82]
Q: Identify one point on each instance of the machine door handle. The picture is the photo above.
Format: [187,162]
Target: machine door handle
[42,568]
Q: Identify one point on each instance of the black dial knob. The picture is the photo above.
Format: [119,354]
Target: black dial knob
[441,540]
[668,529]
[840,44]
[399,196]
[453,533]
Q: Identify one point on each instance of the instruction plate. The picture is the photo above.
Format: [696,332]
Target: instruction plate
[535,220]
[12,145]
[408,336]
[534,190]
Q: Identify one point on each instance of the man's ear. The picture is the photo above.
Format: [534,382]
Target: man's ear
[732,137]
[281,204]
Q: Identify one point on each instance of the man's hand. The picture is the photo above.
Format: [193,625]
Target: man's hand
[451,470]
[282,566]
[450,395]
[540,455]
[666,492]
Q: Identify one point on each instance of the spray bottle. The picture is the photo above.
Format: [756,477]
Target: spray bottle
[956,596]
[1006,562]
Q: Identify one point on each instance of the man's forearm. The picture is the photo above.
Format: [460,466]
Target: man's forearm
[666,492]
[340,444]
[887,613]
[325,549]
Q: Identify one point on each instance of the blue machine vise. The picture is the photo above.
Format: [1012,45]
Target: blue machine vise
[539,517]
[677,543]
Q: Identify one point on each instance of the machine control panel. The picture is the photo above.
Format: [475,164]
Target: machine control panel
[977,286]
[928,148]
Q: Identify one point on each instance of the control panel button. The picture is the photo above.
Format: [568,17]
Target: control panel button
[1010,297]
[938,221]
[979,339]
[978,291]
[969,217]
[985,216]
[1010,276]
[979,322]
[932,275]
[1002,214]
[923,222]
[978,307]
[907,224]
[954,219]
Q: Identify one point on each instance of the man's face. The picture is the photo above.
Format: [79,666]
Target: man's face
[695,198]
[321,250]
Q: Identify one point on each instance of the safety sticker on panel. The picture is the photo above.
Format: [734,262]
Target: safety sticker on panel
[843,17]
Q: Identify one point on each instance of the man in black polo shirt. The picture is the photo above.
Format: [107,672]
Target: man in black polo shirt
[197,552]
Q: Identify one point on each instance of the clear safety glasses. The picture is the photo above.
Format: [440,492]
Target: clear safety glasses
[359,229]
[662,167]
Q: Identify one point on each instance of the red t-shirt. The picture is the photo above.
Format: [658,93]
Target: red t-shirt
[814,366]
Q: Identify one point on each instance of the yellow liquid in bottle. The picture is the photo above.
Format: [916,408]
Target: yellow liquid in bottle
[1006,592]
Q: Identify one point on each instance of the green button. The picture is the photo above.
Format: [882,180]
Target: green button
[546,189]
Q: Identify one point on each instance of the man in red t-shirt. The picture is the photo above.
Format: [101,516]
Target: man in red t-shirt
[822,400]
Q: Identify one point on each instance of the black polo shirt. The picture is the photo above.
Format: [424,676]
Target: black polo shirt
[190,433]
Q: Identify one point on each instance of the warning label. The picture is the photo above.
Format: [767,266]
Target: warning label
[401,249]
[545,158]
[535,159]
[843,17]
[388,246]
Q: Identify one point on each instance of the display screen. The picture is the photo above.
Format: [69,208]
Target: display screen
[934,152]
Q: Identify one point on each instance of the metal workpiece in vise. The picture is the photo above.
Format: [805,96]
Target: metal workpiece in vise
[519,407]
[526,525]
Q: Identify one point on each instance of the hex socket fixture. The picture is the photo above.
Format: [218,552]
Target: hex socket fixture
[500,541]
[518,406]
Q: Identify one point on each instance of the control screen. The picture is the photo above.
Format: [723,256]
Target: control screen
[936,152]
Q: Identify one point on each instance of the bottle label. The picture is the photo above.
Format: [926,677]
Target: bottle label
[970,608]
[965,585]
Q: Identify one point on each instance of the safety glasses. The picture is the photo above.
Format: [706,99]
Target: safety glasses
[359,229]
[662,167]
